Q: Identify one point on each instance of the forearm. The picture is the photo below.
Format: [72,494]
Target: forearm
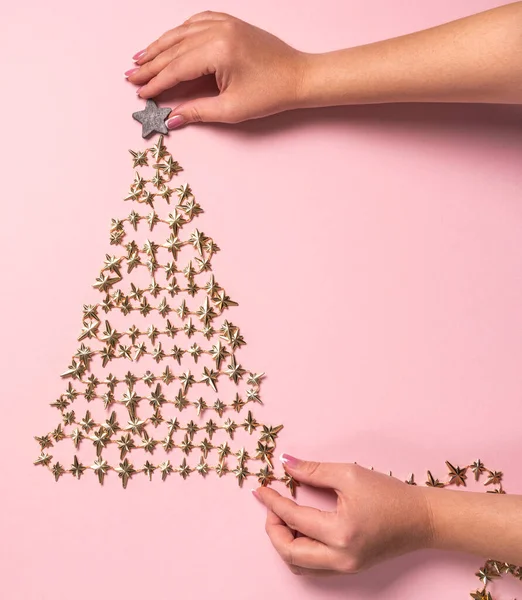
[475,59]
[489,525]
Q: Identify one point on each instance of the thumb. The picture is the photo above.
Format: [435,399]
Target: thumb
[325,475]
[205,110]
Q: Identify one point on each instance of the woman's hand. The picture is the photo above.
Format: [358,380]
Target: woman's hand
[377,517]
[257,74]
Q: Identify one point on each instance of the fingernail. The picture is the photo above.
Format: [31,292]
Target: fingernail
[175,121]
[254,493]
[131,71]
[138,90]
[289,461]
[139,55]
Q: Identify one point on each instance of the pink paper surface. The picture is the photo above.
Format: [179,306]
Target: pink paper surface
[376,256]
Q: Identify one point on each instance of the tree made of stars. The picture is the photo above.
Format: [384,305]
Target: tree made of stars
[156,348]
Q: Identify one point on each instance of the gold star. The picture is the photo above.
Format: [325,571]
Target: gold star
[148,469]
[202,467]
[238,403]
[187,380]
[191,209]
[87,423]
[139,159]
[201,406]
[168,444]
[125,472]
[57,471]
[100,467]
[478,468]
[269,433]
[195,351]
[205,312]
[125,444]
[99,440]
[265,476]
[186,445]
[44,441]
[242,456]
[235,371]
[111,425]
[223,451]
[221,469]
[457,475]
[77,469]
[147,443]
[184,470]
[212,287]
[205,447]
[166,469]
[494,477]
[184,192]
[255,378]
[176,221]
[135,426]
[265,453]
[77,436]
[241,472]
[44,459]
[290,483]
[219,407]
[230,427]
[222,301]
[170,167]
[159,150]
[432,482]
[210,377]
[250,424]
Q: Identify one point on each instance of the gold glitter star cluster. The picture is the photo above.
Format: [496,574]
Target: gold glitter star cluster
[156,347]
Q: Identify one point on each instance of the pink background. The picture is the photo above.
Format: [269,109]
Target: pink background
[375,253]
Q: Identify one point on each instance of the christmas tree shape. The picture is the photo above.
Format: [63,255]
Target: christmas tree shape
[157,368]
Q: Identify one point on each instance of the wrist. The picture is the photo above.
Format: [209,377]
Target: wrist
[311,88]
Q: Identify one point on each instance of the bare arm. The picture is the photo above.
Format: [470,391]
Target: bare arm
[475,59]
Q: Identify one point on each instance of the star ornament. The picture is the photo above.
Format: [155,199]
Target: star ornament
[152,119]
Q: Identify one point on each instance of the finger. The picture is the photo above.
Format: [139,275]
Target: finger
[187,67]
[324,475]
[208,15]
[204,110]
[311,522]
[168,39]
[301,552]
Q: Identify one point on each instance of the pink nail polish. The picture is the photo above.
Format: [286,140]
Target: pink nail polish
[254,493]
[131,71]
[139,55]
[175,121]
[138,90]
[289,461]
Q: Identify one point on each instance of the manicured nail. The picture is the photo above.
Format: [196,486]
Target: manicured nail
[131,71]
[175,121]
[138,90]
[289,461]
[254,493]
[139,55]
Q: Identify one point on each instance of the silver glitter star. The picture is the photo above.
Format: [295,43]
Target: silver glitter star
[152,119]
